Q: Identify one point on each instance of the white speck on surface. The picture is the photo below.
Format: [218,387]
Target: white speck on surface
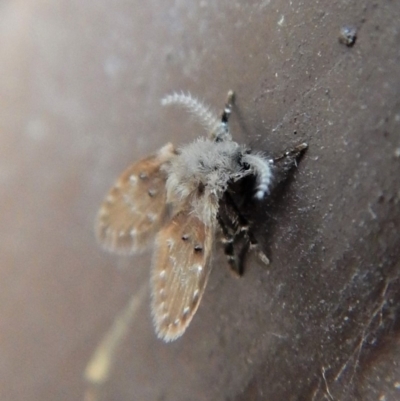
[281,20]
[371,212]
[264,4]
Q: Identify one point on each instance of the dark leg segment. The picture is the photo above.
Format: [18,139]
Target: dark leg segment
[292,155]
[255,247]
[221,133]
[235,228]
[229,248]
[228,108]
[284,163]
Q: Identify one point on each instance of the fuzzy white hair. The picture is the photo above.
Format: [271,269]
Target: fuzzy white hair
[204,168]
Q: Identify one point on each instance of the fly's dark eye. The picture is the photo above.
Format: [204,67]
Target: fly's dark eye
[201,188]
[246,166]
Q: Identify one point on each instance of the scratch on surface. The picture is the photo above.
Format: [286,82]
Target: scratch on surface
[316,391]
[98,369]
[326,384]
[357,350]
[371,212]
[313,88]
[277,335]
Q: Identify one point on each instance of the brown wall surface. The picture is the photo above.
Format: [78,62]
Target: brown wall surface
[80,85]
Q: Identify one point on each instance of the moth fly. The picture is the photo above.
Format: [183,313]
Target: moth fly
[183,198]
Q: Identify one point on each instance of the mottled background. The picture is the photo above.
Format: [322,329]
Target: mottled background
[80,86]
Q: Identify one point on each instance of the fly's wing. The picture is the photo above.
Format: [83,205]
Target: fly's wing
[135,207]
[181,267]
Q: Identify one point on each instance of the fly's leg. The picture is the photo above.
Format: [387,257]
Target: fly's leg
[235,229]
[228,107]
[228,241]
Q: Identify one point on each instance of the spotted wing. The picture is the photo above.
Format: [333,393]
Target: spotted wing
[181,267]
[135,207]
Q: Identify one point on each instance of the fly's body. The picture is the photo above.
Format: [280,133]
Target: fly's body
[175,196]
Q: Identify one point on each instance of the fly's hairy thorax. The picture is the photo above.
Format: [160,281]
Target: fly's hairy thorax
[201,173]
